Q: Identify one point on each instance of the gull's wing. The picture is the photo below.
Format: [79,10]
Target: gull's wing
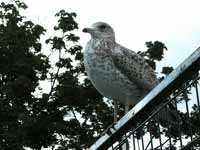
[133,66]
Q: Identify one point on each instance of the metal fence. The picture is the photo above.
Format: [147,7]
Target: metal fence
[168,118]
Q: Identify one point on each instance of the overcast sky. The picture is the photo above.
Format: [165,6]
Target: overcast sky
[173,22]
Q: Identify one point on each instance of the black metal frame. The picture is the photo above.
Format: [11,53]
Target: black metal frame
[135,127]
[149,146]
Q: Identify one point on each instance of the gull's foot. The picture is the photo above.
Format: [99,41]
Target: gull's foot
[110,129]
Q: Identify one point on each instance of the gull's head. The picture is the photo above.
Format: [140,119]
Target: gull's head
[100,30]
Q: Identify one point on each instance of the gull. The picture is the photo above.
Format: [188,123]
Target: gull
[116,72]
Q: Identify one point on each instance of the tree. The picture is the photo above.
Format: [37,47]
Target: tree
[22,66]
[29,120]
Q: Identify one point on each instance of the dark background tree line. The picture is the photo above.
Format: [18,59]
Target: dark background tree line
[36,121]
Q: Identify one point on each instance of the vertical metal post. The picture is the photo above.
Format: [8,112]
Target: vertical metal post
[125,144]
[197,94]
[142,142]
[151,141]
[188,115]
[170,142]
[180,136]
[138,143]
[160,140]
[179,127]
[133,135]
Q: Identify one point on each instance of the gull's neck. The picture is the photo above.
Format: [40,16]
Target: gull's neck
[103,43]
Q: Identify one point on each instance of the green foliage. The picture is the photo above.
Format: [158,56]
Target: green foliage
[167,70]
[154,52]
[52,119]
[22,67]
[66,22]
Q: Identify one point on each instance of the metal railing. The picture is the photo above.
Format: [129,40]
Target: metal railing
[148,126]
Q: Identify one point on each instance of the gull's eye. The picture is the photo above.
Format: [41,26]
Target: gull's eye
[102,27]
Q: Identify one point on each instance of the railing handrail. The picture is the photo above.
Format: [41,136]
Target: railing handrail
[190,65]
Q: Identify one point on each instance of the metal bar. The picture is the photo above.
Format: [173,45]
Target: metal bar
[188,115]
[151,141]
[155,113]
[142,142]
[138,143]
[147,145]
[122,142]
[127,142]
[160,140]
[170,141]
[172,99]
[133,141]
[161,145]
[191,144]
[179,127]
[197,94]
[121,126]
[180,137]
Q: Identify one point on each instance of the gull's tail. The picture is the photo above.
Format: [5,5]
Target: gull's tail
[171,118]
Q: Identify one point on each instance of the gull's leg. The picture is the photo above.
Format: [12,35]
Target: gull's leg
[115,117]
[125,146]
[115,111]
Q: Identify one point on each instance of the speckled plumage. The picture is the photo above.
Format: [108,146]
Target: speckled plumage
[116,72]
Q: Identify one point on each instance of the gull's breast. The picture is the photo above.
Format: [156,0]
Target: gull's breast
[108,80]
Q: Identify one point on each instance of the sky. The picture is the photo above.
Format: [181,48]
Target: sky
[173,22]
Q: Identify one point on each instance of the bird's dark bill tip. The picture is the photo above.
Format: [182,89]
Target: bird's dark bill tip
[85,30]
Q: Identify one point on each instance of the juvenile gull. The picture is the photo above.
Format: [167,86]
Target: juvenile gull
[115,71]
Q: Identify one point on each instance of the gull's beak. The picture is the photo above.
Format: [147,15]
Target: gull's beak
[87,30]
